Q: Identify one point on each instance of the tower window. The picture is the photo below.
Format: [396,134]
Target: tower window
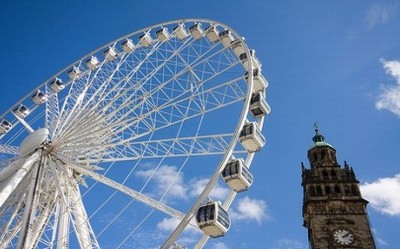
[322,154]
[319,191]
[312,191]
[333,175]
[346,190]
[325,175]
[337,189]
[327,190]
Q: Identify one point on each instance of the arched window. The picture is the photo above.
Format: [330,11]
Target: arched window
[337,189]
[315,156]
[325,175]
[354,190]
[327,190]
[312,191]
[333,174]
[319,190]
[346,190]
[322,154]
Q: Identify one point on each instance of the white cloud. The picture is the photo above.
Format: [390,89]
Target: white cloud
[381,13]
[219,245]
[197,186]
[383,195]
[250,209]
[288,244]
[389,98]
[190,234]
[164,177]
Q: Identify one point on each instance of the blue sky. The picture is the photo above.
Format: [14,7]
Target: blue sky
[335,62]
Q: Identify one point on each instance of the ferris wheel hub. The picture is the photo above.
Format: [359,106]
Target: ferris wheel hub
[33,141]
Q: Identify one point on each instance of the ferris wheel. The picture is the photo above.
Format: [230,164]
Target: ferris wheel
[133,135]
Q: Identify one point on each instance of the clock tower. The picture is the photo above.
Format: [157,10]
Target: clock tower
[334,211]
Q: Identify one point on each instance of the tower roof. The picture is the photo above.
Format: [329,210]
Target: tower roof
[319,139]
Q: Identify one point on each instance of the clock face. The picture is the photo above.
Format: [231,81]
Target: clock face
[343,237]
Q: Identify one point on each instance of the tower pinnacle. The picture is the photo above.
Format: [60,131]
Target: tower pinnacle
[317,137]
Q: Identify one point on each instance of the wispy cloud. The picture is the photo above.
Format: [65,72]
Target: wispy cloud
[288,244]
[197,186]
[166,177]
[381,13]
[383,195]
[219,245]
[250,209]
[389,98]
[189,236]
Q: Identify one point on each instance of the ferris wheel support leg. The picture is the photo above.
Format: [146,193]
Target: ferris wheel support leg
[17,177]
[85,233]
[25,234]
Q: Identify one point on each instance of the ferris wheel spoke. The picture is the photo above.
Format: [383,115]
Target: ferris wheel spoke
[172,113]
[178,147]
[9,149]
[126,190]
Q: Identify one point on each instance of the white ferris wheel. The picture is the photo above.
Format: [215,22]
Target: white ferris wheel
[108,147]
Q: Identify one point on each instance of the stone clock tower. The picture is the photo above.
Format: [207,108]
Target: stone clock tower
[334,211]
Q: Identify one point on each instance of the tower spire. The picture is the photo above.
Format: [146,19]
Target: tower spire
[317,137]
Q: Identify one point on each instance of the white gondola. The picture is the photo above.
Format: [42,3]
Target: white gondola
[237,175]
[39,97]
[110,54]
[244,59]
[93,63]
[181,32]
[57,85]
[21,111]
[162,34]
[258,105]
[212,34]
[196,31]
[5,126]
[259,81]
[145,39]
[74,73]
[238,48]
[128,46]
[226,38]
[251,137]
[212,219]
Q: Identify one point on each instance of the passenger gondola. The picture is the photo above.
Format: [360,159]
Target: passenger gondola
[93,63]
[244,59]
[238,47]
[196,31]
[237,175]
[259,82]
[57,85]
[212,34]
[162,34]
[181,32]
[110,54]
[226,38]
[258,105]
[251,137]
[5,126]
[39,97]
[212,219]
[21,111]
[74,73]
[128,46]
[145,40]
